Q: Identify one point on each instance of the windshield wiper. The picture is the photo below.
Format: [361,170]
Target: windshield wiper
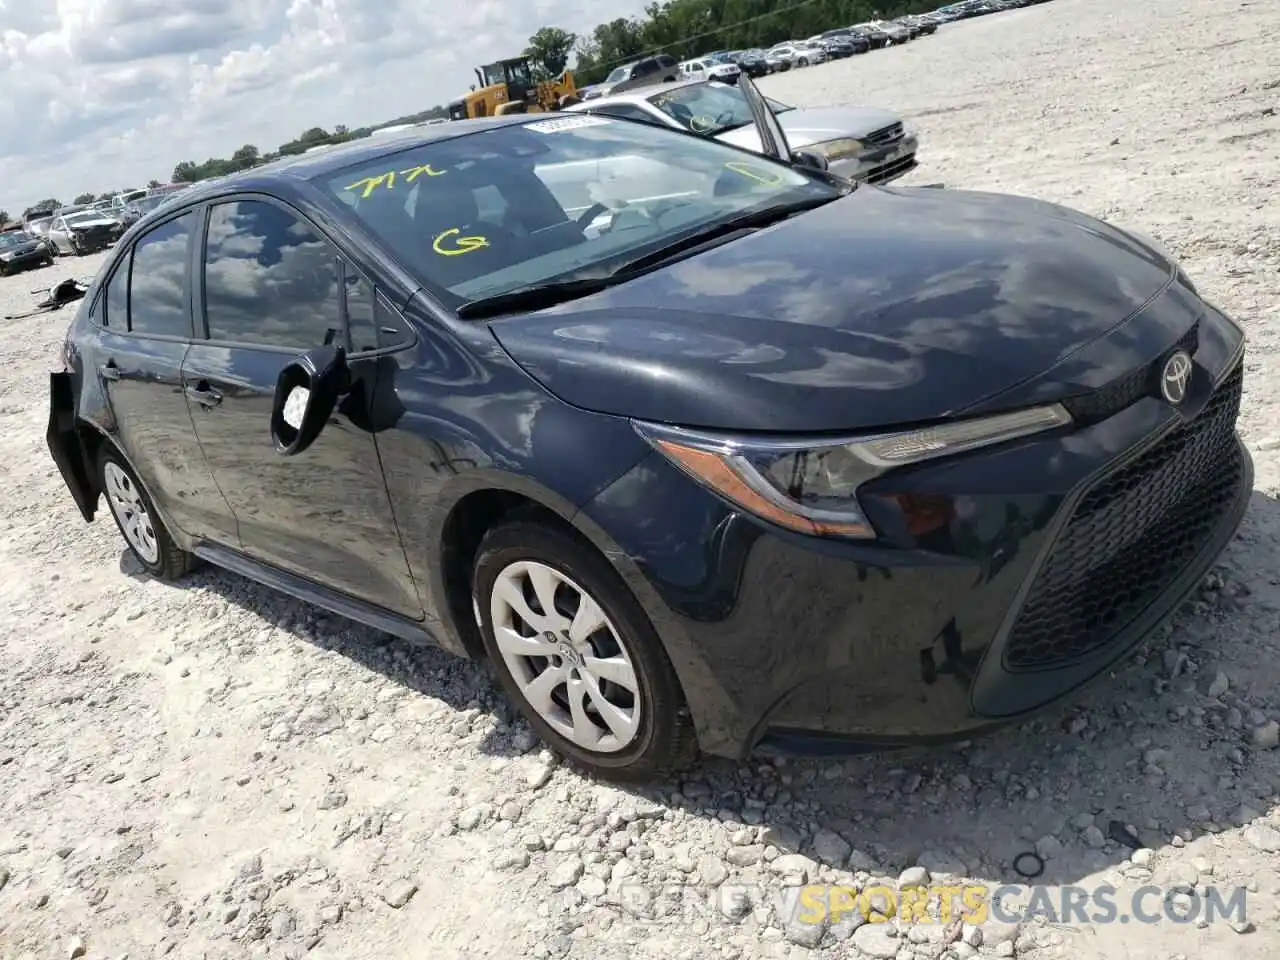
[541,295]
[536,297]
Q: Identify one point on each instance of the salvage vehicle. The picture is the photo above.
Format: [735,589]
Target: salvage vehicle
[706,68]
[641,73]
[84,231]
[775,462]
[797,54]
[38,226]
[861,143]
[20,250]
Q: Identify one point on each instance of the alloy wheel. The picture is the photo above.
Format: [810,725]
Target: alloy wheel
[131,512]
[566,656]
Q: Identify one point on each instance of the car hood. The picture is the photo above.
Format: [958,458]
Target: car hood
[891,305]
[805,126]
[17,249]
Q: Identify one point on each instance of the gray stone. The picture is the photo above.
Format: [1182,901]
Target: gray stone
[1262,837]
[831,848]
[399,893]
[877,940]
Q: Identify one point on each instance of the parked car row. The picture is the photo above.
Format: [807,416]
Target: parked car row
[835,44]
[83,228]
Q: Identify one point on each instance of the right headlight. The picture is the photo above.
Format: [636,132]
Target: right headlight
[811,485]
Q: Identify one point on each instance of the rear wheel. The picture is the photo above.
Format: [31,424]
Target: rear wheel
[576,652]
[143,530]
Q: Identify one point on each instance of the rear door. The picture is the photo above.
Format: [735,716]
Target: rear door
[272,288]
[145,315]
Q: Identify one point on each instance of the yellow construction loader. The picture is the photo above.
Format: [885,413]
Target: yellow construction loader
[508,86]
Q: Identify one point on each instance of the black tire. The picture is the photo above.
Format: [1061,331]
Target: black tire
[666,742]
[172,562]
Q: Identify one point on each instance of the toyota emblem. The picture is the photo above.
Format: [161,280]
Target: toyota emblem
[1175,377]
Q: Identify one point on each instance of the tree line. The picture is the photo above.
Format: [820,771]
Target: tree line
[682,28]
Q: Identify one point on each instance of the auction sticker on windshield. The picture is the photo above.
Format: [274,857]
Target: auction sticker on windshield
[566,123]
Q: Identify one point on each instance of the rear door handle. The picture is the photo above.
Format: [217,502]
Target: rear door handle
[109,370]
[204,394]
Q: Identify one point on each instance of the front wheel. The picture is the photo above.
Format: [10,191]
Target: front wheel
[575,651]
[804,62]
[143,530]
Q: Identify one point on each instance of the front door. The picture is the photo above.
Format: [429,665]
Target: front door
[272,289]
[145,313]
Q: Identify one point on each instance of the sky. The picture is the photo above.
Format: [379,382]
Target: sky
[108,94]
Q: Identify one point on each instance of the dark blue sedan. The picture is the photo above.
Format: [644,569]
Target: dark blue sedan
[699,448]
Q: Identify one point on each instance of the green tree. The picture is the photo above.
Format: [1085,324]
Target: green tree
[84,198]
[549,50]
[152,184]
[246,157]
[4,216]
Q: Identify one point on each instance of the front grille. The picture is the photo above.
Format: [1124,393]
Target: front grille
[891,170]
[1124,391]
[885,135]
[1130,536]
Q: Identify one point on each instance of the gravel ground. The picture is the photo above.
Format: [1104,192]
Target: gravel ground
[211,770]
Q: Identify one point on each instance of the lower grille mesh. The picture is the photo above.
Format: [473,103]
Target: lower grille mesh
[1130,536]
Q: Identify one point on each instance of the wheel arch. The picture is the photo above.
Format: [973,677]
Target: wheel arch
[476,503]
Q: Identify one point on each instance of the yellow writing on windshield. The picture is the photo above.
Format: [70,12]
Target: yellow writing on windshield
[366,185]
[426,170]
[450,244]
[770,178]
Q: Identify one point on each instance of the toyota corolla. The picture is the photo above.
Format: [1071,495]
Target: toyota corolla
[699,448]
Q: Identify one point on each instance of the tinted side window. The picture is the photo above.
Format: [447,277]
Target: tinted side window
[666,60]
[269,278]
[159,298]
[116,298]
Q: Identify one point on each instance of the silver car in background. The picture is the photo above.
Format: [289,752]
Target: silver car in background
[859,143]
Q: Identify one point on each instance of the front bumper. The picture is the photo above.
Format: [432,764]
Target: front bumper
[881,163]
[24,261]
[1053,558]
[90,241]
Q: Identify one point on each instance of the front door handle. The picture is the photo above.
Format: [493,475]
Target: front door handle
[203,394]
[109,371]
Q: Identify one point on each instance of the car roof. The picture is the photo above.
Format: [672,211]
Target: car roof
[310,166]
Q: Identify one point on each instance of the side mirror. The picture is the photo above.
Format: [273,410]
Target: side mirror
[810,159]
[307,390]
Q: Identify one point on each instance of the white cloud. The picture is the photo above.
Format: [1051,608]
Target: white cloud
[104,94]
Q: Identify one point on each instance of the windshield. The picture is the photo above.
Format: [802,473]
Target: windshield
[495,211]
[709,108]
[617,76]
[14,237]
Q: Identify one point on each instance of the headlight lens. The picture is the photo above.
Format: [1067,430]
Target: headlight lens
[834,149]
[811,486]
